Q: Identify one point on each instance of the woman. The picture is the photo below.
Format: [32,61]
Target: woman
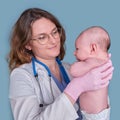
[40,85]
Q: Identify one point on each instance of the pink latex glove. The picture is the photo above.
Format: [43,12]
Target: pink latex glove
[93,80]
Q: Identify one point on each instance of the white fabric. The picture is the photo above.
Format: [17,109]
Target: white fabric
[104,115]
[25,97]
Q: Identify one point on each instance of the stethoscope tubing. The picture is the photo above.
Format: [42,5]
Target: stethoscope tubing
[66,78]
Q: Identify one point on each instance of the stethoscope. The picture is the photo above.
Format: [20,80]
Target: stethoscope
[62,69]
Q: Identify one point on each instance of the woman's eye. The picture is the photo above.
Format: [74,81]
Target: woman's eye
[42,37]
[55,32]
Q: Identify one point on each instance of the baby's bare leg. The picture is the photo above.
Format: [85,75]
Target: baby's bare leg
[94,101]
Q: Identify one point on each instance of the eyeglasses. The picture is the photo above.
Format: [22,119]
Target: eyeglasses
[44,38]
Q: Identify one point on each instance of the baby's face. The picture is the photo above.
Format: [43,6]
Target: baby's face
[82,51]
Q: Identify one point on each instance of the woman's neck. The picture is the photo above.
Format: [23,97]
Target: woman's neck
[49,62]
[53,66]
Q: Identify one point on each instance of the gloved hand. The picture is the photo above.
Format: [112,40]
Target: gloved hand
[95,79]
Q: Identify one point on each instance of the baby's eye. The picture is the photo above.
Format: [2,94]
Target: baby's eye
[77,49]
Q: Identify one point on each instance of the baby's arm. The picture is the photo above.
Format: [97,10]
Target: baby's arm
[81,67]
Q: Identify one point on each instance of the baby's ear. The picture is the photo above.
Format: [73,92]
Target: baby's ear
[93,48]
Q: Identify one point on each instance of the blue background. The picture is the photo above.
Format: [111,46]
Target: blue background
[74,16]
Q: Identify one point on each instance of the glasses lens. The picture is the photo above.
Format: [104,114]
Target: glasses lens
[43,38]
[56,33]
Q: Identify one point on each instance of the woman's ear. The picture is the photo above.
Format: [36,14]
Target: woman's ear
[28,47]
[93,48]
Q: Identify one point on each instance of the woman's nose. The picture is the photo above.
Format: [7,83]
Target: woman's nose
[52,39]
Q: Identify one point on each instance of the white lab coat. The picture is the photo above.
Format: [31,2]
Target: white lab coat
[26,96]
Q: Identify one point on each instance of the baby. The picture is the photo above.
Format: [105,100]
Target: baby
[91,51]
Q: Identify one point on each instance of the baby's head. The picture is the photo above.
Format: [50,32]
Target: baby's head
[92,42]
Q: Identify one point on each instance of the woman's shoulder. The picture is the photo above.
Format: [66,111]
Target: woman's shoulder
[25,68]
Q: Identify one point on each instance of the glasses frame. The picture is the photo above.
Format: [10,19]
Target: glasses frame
[59,32]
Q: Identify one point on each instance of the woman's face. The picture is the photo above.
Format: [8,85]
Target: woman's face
[45,43]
